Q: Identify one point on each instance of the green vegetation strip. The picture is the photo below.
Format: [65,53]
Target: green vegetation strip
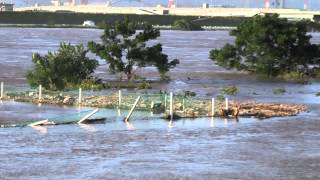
[51,18]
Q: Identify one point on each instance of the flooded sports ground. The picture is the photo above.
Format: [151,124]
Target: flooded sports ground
[149,146]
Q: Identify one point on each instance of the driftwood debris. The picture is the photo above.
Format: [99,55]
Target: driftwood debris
[246,109]
[234,112]
[261,110]
[268,110]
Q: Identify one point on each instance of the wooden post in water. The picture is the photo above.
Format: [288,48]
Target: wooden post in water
[120,97]
[227,104]
[132,109]
[1,94]
[80,96]
[171,105]
[40,92]
[212,107]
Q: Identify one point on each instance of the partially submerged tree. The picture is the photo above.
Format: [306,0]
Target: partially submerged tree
[125,50]
[185,25]
[68,66]
[271,46]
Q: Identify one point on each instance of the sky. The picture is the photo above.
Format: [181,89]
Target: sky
[298,4]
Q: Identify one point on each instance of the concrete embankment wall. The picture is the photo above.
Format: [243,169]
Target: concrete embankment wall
[225,12]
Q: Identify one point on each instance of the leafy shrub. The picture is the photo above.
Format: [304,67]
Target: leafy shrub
[92,84]
[125,50]
[271,46]
[185,25]
[66,67]
[144,85]
[298,77]
[230,90]
[189,93]
[220,98]
[279,91]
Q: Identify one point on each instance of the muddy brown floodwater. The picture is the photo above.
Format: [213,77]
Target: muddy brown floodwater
[148,148]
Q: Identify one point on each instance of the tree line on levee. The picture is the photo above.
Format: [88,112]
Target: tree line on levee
[264,44]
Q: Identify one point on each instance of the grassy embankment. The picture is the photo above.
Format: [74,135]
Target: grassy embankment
[68,19]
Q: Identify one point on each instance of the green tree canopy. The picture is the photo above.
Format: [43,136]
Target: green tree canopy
[124,49]
[185,25]
[271,46]
[56,70]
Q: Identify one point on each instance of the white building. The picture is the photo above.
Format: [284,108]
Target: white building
[6,7]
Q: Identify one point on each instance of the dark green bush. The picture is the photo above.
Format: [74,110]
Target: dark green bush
[185,25]
[62,69]
[230,90]
[271,46]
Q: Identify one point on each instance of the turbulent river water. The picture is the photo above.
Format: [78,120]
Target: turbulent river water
[148,148]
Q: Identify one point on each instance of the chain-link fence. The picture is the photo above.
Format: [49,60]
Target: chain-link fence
[157,103]
[167,105]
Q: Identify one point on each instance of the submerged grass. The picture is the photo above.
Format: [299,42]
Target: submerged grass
[279,91]
[230,90]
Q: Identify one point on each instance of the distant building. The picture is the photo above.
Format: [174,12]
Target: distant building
[57,2]
[205,5]
[6,7]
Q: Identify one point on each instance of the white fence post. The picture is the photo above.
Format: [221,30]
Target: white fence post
[165,101]
[171,105]
[80,96]
[1,94]
[212,107]
[40,92]
[227,104]
[120,97]
[131,110]
[183,105]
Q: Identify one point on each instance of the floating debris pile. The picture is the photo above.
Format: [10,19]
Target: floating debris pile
[268,110]
[241,109]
